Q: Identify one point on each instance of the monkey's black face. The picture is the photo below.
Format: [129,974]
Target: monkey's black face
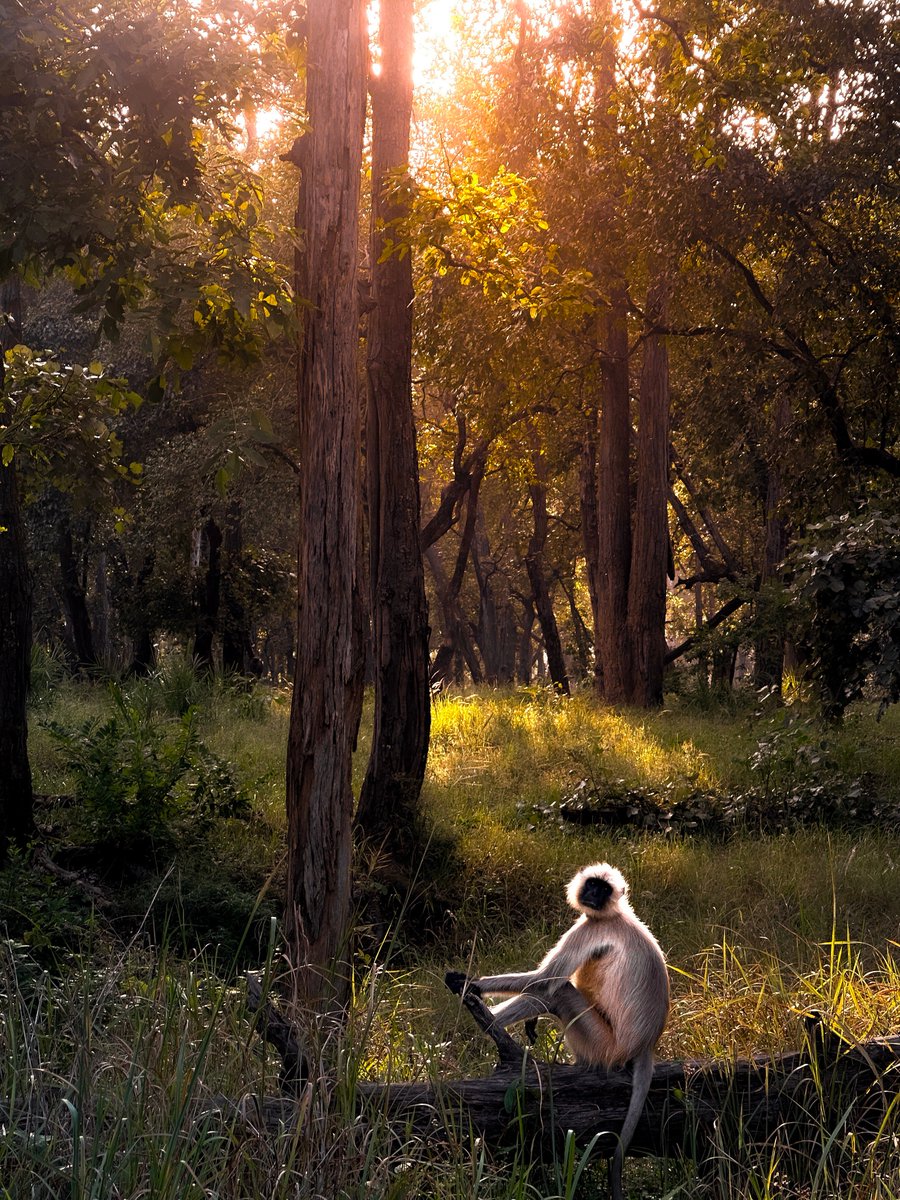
[595,893]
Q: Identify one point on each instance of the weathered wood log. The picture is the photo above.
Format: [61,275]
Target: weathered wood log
[272,1027]
[692,1106]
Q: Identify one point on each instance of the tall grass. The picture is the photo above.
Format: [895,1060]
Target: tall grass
[112,1060]
[113,1079]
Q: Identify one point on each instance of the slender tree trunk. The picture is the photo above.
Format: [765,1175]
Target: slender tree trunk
[238,652]
[525,655]
[73,595]
[144,652]
[614,505]
[540,591]
[102,632]
[327,694]
[464,641]
[723,667]
[646,631]
[579,629]
[207,595]
[769,645]
[457,639]
[389,800]
[487,632]
[496,632]
[16,797]
[702,655]
[732,567]
[590,532]
[455,492]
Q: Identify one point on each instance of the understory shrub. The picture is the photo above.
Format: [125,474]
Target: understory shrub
[847,587]
[144,783]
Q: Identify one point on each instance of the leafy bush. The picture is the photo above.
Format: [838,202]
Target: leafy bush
[173,689]
[796,781]
[847,582]
[142,783]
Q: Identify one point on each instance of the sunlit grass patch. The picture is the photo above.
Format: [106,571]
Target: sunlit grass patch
[529,740]
[731,1000]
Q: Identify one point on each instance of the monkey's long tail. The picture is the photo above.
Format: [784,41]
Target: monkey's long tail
[641,1078]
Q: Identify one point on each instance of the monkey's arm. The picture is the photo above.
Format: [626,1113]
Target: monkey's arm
[520,1008]
[537,982]
[556,967]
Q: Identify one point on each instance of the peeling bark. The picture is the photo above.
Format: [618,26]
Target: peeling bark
[327,694]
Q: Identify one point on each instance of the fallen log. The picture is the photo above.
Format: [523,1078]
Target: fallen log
[694,1109]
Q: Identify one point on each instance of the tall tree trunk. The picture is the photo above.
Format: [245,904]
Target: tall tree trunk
[768,666]
[16,797]
[590,532]
[457,640]
[646,631]
[388,809]
[238,652]
[540,591]
[207,593]
[102,632]
[73,594]
[496,632]
[525,653]
[614,505]
[327,694]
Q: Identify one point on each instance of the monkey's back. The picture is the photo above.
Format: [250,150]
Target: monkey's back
[628,985]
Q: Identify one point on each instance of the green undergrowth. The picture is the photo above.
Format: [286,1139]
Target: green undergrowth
[135,1070]
[122,1013]
[166,793]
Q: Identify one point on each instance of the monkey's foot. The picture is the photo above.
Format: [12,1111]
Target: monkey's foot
[531,1031]
[458,982]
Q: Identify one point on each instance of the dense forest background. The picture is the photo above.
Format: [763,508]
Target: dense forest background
[562,337]
[721,183]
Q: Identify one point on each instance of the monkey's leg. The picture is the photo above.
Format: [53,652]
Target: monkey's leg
[588,1033]
[520,1008]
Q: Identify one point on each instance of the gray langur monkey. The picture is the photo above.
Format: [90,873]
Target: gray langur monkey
[605,980]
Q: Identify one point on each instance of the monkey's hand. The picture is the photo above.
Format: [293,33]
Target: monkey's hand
[531,1031]
[459,982]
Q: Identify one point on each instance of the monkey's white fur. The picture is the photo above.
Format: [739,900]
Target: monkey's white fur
[606,980]
[613,877]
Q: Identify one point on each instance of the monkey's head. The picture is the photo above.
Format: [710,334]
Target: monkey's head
[597,890]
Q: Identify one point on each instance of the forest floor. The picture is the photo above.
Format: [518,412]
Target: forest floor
[124,1005]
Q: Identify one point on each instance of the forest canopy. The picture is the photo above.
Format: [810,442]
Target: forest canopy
[596,195]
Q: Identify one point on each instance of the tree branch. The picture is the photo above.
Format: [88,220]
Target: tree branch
[510,1053]
[716,619]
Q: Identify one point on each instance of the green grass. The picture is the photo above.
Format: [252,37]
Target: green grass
[110,1054]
